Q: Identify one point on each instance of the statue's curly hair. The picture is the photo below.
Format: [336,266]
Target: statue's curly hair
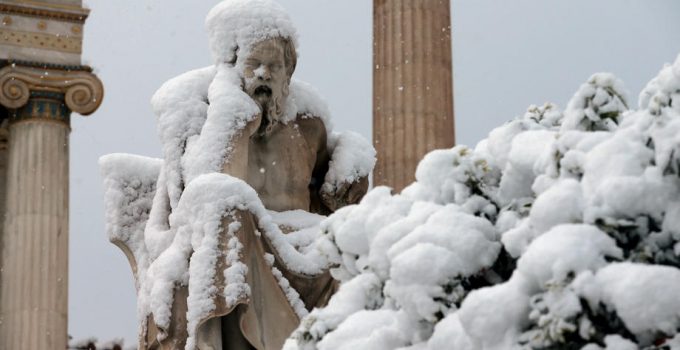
[289,56]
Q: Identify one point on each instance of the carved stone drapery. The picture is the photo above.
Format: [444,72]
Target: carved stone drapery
[83,91]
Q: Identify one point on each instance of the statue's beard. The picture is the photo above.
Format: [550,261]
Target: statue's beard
[271,101]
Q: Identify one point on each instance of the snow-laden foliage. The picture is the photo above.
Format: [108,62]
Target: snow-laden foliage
[597,105]
[561,230]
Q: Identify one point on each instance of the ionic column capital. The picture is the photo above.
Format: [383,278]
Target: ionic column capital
[83,91]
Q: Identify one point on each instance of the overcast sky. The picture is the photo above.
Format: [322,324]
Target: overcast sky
[507,55]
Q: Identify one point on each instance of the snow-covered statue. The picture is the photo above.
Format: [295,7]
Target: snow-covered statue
[223,233]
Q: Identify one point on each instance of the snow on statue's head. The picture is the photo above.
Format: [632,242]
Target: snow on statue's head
[256,37]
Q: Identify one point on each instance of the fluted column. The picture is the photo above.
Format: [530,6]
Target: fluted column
[34,260]
[412,86]
[4,142]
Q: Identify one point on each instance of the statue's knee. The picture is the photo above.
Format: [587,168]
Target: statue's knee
[238,221]
[209,335]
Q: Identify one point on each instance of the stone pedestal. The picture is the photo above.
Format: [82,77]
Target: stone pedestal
[34,260]
[412,86]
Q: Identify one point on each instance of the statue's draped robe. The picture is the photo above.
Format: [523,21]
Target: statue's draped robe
[265,317]
[144,197]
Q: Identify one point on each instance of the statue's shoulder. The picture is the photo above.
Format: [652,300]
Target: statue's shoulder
[181,107]
[312,127]
[190,86]
[304,102]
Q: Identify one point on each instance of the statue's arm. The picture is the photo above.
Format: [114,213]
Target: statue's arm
[340,194]
[237,160]
[346,193]
[351,161]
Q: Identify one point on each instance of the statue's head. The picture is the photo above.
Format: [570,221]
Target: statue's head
[266,74]
[257,38]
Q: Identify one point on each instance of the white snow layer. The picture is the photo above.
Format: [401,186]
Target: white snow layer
[129,187]
[234,26]
[585,202]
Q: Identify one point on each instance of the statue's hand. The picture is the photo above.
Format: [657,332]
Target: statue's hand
[237,163]
[345,194]
[253,125]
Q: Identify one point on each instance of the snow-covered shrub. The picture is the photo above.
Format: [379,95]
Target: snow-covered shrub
[561,230]
[597,105]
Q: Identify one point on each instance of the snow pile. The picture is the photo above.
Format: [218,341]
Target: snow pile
[229,112]
[234,26]
[130,185]
[130,181]
[182,105]
[597,105]
[353,158]
[558,231]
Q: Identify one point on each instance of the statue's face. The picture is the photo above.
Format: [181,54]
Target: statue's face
[266,80]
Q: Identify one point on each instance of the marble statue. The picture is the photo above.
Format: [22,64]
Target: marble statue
[224,233]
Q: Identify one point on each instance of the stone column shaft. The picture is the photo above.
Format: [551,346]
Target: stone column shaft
[41,82]
[412,86]
[4,141]
[39,98]
[34,290]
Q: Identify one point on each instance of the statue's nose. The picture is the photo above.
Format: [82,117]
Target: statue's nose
[264,73]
